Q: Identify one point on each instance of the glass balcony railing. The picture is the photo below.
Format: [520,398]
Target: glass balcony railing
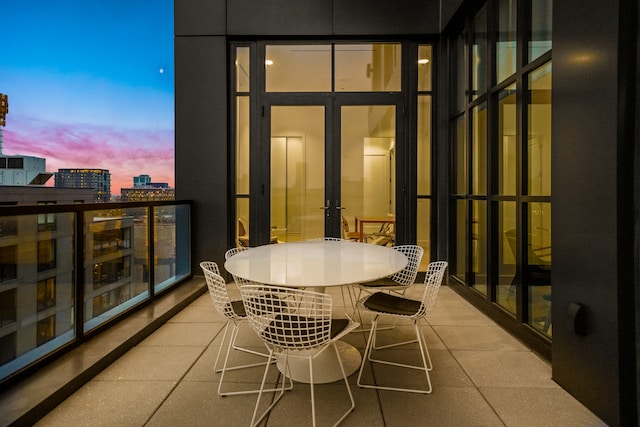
[91,264]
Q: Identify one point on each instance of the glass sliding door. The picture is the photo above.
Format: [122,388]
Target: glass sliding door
[368,178]
[297,172]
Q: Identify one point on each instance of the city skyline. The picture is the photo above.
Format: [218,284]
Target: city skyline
[90,85]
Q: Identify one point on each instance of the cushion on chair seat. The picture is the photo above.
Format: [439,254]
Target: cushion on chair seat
[238,308]
[338,325]
[385,281]
[392,304]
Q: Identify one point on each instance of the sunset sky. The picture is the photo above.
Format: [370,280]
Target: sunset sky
[90,85]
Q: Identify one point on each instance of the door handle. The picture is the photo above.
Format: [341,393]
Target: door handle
[327,207]
[338,207]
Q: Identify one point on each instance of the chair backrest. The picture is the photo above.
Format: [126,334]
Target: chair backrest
[288,318]
[432,281]
[239,280]
[231,252]
[210,265]
[218,290]
[407,275]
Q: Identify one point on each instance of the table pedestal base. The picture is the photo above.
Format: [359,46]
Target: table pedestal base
[326,367]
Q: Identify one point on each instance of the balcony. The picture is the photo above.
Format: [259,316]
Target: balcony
[482,376]
[147,357]
[88,267]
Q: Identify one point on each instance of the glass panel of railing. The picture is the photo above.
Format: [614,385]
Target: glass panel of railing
[37,288]
[116,265]
[171,245]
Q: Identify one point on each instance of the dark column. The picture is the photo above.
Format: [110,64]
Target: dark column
[201,142]
[593,205]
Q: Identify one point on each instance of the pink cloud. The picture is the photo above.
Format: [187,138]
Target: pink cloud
[125,153]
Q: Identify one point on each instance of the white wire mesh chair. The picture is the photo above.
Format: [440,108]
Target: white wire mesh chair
[239,280]
[398,282]
[234,312]
[291,319]
[210,266]
[231,252]
[398,307]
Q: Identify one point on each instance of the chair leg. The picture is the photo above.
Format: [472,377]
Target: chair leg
[346,383]
[225,368]
[313,397]
[277,398]
[424,354]
[382,347]
[246,350]
[367,350]
[232,343]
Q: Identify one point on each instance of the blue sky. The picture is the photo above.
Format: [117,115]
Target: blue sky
[90,81]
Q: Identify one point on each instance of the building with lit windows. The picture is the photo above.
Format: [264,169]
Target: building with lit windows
[144,189]
[98,179]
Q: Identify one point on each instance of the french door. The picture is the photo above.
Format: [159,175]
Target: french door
[328,161]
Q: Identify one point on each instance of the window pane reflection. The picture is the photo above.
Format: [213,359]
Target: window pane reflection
[424,145]
[424,231]
[297,173]
[479,246]
[507,137]
[242,69]
[424,67]
[368,67]
[116,280]
[539,146]
[368,177]
[460,240]
[298,68]
[478,54]
[506,45]
[541,28]
[242,222]
[506,290]
[538,268]
[479,149]
[242,145]
[460,147]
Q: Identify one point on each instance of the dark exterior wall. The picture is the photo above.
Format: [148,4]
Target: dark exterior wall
[201,142]
[202,29]
[593,208]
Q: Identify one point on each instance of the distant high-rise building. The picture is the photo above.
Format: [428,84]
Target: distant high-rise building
[97,179]
[143,190]
[141,181]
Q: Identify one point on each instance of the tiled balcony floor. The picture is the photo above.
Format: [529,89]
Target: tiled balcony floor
[482,376]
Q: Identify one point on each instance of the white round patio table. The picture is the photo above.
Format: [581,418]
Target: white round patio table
[318,264]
